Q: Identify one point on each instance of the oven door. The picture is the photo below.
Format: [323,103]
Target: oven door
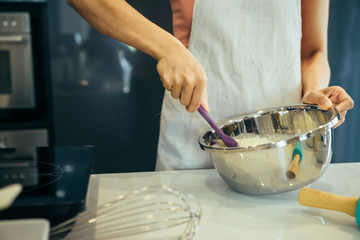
[16,72]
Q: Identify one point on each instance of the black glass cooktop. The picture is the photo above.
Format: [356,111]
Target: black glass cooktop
[55,181]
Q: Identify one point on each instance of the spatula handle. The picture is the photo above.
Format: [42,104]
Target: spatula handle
[319,199]
[206,116]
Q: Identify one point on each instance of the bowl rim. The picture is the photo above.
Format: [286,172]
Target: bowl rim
[281,143]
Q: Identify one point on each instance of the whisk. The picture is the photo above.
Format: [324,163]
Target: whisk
[157,212]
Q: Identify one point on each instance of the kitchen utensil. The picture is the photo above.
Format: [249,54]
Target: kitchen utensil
[157,212]
[8,194]
[297,157]
[259,167]
[229,141]
[319,199]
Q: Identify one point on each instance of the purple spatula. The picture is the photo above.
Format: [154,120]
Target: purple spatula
[229,141]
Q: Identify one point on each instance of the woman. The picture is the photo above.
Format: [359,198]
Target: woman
[245,55]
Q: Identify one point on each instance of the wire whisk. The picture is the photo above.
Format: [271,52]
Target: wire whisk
[157,212]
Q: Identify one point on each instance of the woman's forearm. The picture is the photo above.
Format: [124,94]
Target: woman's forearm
[315,72]
[315,68]
[314,62]
[179,71]
[118,20]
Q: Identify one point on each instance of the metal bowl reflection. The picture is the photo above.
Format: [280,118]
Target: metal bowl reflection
[266,148]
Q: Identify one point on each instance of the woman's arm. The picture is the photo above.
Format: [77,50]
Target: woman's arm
[315,68]
[179,71]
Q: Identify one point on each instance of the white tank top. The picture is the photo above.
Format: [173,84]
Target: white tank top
[250,50]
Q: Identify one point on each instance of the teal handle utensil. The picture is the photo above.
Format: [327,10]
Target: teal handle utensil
[319,199]
[297,157]
[297,150]
[357,213]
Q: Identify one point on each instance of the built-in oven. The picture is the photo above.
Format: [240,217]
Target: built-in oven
[22,81]
[17,89]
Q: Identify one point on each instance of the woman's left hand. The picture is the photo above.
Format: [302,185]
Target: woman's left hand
[331,96]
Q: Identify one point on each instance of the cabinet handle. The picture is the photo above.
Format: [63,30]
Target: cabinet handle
[12,38]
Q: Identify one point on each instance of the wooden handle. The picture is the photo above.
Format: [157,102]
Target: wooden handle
[292,171]
[319,199]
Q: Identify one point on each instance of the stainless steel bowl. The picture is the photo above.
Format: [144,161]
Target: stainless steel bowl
[267,138]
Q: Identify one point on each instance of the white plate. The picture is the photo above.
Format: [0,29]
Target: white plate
[29,229]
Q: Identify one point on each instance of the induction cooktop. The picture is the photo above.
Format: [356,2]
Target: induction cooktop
[55,181]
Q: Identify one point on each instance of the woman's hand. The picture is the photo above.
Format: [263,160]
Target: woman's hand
[331,96]
[184,77]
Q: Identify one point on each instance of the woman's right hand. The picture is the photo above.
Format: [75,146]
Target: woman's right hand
[185,78]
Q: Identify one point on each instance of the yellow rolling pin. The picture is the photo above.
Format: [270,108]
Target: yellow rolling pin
[297,157]
[319,199]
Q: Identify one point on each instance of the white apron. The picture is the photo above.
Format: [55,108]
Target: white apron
[250,50]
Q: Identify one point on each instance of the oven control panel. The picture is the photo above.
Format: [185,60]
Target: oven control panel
[14,22]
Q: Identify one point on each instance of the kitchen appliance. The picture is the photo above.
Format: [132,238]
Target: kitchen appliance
[16,67]
[266,146]
[24,138]
[25,100]
[54,179]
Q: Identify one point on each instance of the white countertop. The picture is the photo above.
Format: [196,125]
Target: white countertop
[228,215]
